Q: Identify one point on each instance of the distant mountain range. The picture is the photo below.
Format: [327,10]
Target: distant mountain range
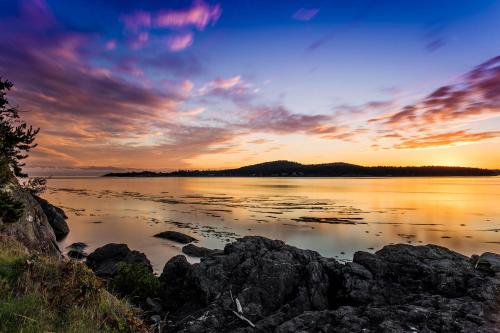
[294,169]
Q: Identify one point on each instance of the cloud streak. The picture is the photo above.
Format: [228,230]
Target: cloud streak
[445,139]
[477,95]
[138,24]
[305,14]
[199,15]
[180,42]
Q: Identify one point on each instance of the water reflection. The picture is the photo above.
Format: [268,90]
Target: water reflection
[333,216]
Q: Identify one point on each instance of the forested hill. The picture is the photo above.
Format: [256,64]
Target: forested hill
[294,169]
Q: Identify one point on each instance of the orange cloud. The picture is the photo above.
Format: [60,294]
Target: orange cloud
[445,139]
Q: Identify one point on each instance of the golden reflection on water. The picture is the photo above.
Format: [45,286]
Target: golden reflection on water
[363,213]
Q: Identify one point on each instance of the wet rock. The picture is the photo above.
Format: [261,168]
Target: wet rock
[103,261]
[55,216]
[263,274]
[489,263]
[154,305]
[400,288]
[77,246]
[176,236]
[199,252]
[77,254]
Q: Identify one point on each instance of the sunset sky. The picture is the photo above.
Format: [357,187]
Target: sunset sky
[163,85]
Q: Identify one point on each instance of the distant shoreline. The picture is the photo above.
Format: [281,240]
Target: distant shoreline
[289,169]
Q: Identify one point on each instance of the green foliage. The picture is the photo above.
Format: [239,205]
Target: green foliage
[16,137]
[41,294]
[11,259]
[11,210]
[135,281]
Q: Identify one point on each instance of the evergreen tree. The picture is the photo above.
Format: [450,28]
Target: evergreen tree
[16,137]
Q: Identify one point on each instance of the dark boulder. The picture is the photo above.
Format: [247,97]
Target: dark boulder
[400,288]
[199,252]
[265,275]
[77,246]
[103,261]
[77,254]
[176,236]
[489,263]
[55,216]
[177,286]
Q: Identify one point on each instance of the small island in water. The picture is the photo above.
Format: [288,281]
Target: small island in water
[337,169]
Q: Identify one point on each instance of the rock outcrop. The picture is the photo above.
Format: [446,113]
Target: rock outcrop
[199,251]
[400,288]
[104,260]
[176,236]
[55,216]
[32,229]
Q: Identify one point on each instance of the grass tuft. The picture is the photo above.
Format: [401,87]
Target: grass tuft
[42,294]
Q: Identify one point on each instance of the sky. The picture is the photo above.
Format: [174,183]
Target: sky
[165,85]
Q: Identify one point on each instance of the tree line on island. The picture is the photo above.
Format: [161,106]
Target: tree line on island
[338,169]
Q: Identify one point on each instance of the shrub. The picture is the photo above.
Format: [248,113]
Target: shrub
[135,281]
[35,185]
[42,294]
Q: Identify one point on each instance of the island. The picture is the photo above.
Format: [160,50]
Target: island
[337,169]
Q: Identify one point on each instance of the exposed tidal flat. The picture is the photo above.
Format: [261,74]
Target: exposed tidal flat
[334,216]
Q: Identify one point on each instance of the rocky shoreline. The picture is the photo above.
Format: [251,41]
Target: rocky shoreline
[262,285]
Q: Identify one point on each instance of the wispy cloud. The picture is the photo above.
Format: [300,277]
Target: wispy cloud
[277,119]
[139,40]
[259,141]
[180,42]
[445,139]
[139,23]
[199,15]
[305,14]
[233,88]
[476,95]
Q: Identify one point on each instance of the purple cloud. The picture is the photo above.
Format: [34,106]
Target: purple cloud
[198,15]
[180,42]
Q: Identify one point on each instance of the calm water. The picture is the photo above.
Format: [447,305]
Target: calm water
[335,217]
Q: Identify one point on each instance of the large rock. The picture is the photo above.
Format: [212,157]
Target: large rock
[104,260]
[176,236]
[76,250]
[400,288]
[55,216]
[264,275]
[489,263]
[32,229]
[77,254]
[199,251]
